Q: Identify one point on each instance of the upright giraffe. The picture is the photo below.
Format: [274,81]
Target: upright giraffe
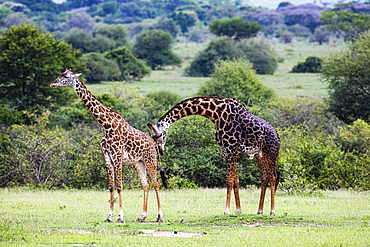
[121,144]
[237,131]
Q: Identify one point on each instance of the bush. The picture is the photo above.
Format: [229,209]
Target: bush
[131,68]
[312,64]
[100,68]
[154,47]
[192,156]
[308,113]
[257,51]
[311,161]
[260,54]
[236,79]
[217,50]
[163,101]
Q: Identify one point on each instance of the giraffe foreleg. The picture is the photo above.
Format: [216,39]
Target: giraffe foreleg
[232,183]
[236,195]
[273,189]
[119,191]
[262,197]
[140,168]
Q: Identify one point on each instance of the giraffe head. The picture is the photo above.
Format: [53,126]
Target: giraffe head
[159,134]
[67,78]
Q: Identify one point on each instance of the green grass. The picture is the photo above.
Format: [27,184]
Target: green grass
[76,218]
[284,83]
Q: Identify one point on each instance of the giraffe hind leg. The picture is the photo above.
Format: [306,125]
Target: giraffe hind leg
[140,168]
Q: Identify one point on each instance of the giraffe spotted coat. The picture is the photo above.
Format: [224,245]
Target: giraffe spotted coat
[121,144]
[237,130]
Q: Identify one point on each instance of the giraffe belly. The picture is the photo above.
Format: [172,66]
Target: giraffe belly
[128,158]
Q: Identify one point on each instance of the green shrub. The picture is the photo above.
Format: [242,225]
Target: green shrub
[163,101]
[316,161]
[217,50]
[355,138]
[100,68]
[192,154]
[258,52]
[312,64]
[236,79]
[131,68]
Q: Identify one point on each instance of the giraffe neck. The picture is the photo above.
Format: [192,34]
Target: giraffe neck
[209,107]
[100,112]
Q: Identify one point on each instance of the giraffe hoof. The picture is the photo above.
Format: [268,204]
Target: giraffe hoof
[108,220]
[259,212]
[120,221]
[272,213]
[140,220]
[159,220]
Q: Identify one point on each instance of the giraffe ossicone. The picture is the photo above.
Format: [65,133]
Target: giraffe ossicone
[237,130]
[121,144]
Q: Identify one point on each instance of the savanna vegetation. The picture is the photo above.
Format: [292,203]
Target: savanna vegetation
[297,66]
[50,140]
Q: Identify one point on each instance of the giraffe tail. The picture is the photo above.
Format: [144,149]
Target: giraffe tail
[277,179]
[164,178]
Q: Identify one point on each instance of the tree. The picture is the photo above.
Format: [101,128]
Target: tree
[260,54]
[184,20]
[131,68]
[236,79]
[100,68]
[29,62]
[307,15]
[217,50]
[348,24]
[167,25]
[321,35]
[117,33]
[348,76]
[235,28]
[154,47]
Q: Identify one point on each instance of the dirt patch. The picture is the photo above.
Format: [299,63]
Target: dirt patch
[171,234]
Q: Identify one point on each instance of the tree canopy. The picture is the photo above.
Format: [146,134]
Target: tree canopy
[154,47]
[235,28]
[348,24]
[29,62]
[348,76]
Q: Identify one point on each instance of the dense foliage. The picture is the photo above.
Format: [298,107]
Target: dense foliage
[154,47]
[348,73]
[258,52]
[29,62]
[312,64]
[347,20]
[235,28]
[236,79]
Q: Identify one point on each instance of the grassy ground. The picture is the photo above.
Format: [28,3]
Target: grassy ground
[192,218]
[283,82]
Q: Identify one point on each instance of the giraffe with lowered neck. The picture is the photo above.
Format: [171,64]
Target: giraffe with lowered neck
[121,144]
[237,130]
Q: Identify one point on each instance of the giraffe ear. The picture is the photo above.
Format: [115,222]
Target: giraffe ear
[153,129]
